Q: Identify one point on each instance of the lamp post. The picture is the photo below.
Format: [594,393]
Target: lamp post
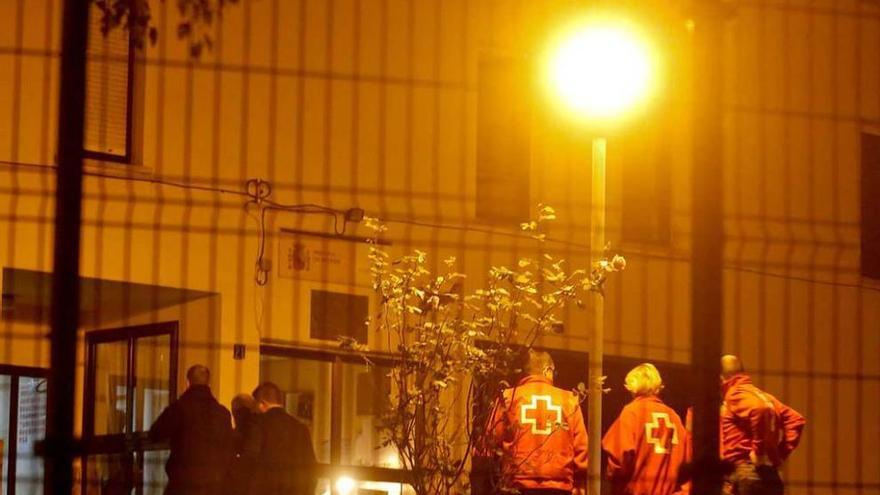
[599,70]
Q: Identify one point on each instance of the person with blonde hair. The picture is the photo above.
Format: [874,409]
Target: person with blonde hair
[644,379]
[648,443]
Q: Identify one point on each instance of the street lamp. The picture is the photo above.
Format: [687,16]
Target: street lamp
[599,71]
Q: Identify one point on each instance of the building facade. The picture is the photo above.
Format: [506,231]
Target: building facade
[431,116]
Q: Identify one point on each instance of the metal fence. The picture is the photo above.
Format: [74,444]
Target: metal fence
[221,197]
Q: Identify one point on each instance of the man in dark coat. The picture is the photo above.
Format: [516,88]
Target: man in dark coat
[199,430]
[241,471]
[280,447]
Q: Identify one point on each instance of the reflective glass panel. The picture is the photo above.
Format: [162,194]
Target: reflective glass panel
[31,430]
[111,366]
[152,383]
[306,385]
[365,397]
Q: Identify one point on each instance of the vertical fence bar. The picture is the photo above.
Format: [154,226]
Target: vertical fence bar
[60,449]
[597,340]
[706,272]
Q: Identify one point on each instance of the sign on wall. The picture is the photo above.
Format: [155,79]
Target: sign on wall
[318,259]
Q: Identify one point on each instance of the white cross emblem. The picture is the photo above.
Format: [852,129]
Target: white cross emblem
[660,441]
[549,407]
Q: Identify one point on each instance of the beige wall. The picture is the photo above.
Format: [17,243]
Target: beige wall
[801,83]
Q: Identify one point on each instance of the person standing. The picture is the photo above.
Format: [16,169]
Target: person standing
[539,430]
[648,443]
[279,448]
[758,433]
[199,431]
[244,412]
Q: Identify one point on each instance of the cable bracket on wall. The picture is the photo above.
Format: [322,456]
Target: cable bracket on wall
[259,192]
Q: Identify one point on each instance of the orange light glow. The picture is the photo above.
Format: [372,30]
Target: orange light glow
[601,69]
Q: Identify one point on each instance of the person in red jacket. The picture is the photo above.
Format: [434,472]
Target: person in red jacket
[758,433]
[539,431]
[648,443]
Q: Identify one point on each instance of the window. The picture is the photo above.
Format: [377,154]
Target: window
[131,378]
[643,155]
[305,381]
[340,398]
[335,314]
[22,427]
[110,93]
[365,397]
[870,224]
[503,141]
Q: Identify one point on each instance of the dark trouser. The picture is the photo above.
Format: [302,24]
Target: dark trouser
[748,479]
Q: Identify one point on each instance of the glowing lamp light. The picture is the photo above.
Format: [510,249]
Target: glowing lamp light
[599,70]
[345,485]
[390,460]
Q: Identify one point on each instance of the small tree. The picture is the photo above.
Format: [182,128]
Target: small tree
[457,350]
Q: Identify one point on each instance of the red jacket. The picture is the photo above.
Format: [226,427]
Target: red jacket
[540,430]
[646,446]
[753,420]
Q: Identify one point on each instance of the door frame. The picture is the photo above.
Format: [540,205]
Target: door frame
[130,442]
[96,337]
[15,373]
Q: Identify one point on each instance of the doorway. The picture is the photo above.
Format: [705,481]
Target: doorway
[131,376]
[22,425]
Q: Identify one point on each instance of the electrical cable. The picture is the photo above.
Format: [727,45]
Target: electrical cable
[148,180]
[310,208]
[259,191]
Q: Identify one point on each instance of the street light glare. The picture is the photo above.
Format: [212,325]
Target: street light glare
[600,71]
[345,485]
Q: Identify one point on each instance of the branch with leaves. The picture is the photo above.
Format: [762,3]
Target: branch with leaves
[454,346]
[196,23]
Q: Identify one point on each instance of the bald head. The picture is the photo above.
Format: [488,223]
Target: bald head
[198,374]
[730,365]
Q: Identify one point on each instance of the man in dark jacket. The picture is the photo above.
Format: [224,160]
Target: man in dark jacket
[280,448]
[199,430]
[241,471]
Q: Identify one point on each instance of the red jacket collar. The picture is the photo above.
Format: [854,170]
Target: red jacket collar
[735,381]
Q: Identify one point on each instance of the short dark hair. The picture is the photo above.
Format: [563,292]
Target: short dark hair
[242,402]
[198,374]
[269,393]
[538,361]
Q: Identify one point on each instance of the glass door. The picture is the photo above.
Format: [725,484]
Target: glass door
[22,425]
[131,378]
